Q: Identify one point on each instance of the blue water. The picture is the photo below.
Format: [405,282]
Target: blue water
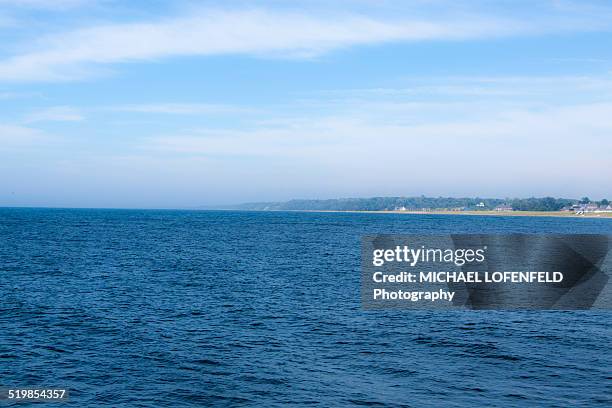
[187,308]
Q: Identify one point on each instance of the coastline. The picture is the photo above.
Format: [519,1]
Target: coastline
[561,214]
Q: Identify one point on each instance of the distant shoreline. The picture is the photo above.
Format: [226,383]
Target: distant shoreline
[492,213]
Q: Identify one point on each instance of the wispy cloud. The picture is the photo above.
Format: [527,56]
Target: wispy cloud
[45,4]
[54,114]
[521,150]
[17,95]
[555,127]
[475,86]
[79,53]
[180,108]
[75,54]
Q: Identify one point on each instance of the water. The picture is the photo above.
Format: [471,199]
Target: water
[181,308]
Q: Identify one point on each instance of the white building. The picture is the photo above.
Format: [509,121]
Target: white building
[604,209]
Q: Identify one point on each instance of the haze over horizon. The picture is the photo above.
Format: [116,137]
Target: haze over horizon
[178,104]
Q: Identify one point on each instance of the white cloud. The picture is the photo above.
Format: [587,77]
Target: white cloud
[563,140]
[266,32]
[45,4]
[562,128]
[180,108]
[55,114]
[477,87]
[257,32]
[11,95]
[517,153]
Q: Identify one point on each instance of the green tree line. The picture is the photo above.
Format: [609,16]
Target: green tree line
[417,203]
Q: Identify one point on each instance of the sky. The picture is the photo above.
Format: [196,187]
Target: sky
[180,104]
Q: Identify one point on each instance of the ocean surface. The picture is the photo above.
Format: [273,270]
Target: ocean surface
[211,308]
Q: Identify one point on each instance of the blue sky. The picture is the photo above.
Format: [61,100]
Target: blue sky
[181,104]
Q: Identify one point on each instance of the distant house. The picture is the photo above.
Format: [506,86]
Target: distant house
[604,208]
[591,207]
[402,208]
[584,208]
[504,208]
[480,204]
